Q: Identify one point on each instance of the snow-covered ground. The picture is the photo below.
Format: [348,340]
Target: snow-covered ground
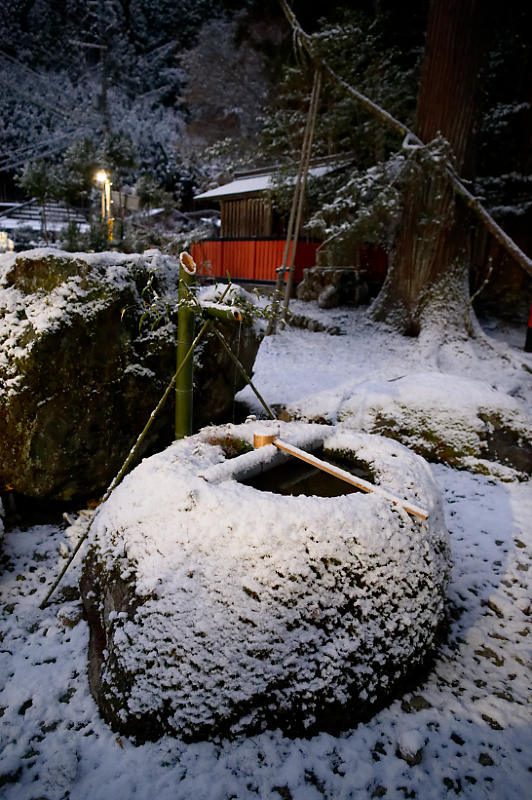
[467,723]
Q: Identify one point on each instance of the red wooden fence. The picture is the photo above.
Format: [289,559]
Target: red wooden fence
[251,259]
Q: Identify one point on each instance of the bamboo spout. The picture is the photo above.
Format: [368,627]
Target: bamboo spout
[260,440]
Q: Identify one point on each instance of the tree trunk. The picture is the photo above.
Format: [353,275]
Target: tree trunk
[427,281]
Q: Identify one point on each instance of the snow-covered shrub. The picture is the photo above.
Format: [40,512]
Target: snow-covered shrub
[455,420]
[219,609]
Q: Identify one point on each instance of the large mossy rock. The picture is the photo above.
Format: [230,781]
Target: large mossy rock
[458,421]
[216,608]
[79,376]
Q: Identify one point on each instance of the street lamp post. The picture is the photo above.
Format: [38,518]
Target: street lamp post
[102,179]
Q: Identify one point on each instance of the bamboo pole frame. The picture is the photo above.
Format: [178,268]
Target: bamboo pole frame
[184,395]
[127,463]
[296,210]
[211,312]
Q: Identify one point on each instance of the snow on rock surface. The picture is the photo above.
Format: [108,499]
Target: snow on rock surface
[452,419]
[216,608]
[79,373]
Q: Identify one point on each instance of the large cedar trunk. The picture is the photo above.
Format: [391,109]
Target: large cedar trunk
[428,274]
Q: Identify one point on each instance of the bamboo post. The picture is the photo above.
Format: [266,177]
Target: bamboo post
[294,222]
[306,153]
[262,439]
[226,314]
[185,335]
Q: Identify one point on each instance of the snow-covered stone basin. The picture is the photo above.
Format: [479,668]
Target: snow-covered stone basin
[218,609]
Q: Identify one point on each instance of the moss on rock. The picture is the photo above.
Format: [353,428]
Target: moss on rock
[79,377]
[450,419]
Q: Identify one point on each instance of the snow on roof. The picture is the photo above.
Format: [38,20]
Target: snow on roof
[253,184]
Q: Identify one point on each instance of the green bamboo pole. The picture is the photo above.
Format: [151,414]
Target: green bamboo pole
[127,462]
[185,333]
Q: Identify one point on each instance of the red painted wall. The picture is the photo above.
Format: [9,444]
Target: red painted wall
[251,259]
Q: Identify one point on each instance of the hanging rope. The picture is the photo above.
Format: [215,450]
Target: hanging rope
[306,153]
[296,210]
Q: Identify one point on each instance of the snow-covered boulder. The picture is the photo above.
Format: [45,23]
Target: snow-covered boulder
[79,376]
[216,608]
[447,418]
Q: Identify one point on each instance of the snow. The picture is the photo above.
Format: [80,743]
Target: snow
[421,405]
[469,714]
[251,184]
[14,223]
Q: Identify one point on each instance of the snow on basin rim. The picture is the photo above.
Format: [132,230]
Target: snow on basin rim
[225,573]
[146,504]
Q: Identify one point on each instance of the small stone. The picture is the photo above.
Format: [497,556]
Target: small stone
[328,297]
[485,760]
[419,703]
[24,707]
[64,550]
[494,607]
[523,604]
[487,652]
[494,725]
[69,617]
[410,744]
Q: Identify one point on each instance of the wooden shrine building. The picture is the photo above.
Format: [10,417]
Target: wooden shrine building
[252,235]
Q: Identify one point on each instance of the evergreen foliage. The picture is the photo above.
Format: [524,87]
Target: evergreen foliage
[142,87]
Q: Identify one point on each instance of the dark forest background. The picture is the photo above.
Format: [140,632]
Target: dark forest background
[173,96]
